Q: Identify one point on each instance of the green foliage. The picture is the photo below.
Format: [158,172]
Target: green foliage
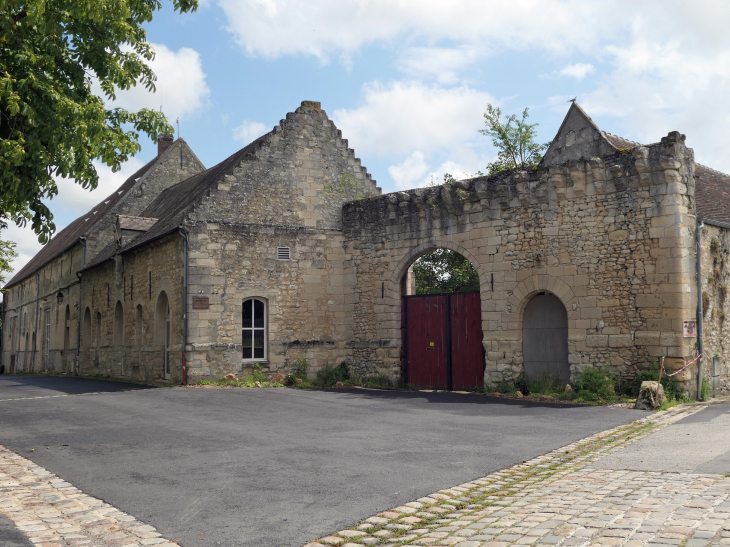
[444,271]
[592,385]
[505,387]
[714,245]
[51,122]
[672,391]
[299,368]
[705,391]
[514,139]
[331,374]
[7,254]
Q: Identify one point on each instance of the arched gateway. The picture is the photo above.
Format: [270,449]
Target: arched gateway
[442,333]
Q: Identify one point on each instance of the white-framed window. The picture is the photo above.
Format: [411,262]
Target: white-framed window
[254,337]
[283,253]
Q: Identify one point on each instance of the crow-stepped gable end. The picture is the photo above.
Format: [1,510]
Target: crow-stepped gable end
[287,250]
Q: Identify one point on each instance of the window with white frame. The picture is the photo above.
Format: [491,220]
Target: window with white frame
[253,331]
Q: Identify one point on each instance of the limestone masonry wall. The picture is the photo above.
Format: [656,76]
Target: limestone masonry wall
[612,237]
[136,280]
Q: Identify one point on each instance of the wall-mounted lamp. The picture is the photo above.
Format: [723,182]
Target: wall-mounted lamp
[59,297]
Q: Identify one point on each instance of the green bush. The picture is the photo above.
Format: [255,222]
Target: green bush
[504,387]
[299,368]
[593,385]
[672,391]
[330,375]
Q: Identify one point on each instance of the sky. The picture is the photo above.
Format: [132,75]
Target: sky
[408,81]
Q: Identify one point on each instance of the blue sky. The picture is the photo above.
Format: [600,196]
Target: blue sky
[407,81]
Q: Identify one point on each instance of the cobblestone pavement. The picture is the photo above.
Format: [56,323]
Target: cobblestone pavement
[559,500]
[52,513]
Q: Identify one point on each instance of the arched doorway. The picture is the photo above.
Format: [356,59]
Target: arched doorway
[545,339]
[441,322]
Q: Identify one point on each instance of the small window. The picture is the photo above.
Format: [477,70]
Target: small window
[253,331]
[283,253]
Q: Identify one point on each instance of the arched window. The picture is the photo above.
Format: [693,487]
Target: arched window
[118,339]
[86,330]
[98,340]
[67,329]
[253,329]
[163,330]
[138,325]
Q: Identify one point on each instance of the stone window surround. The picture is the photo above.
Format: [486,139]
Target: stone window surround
[253,359]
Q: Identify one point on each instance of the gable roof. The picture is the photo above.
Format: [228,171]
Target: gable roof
[175,202]
[70,235]
[712,194]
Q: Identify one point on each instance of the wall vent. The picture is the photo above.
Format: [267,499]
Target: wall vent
[283,253]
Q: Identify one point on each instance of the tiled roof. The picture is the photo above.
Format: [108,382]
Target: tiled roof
[712,194]
[138,224]
[69,236]
[619,142]
[175,202]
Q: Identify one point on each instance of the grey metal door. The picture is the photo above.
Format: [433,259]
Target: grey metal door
[545,339]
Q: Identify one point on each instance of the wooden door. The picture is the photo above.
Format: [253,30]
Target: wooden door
[467,350]
[427,341]
[545,339]
[443,341]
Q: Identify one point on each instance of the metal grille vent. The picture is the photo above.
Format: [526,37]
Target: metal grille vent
[283,253]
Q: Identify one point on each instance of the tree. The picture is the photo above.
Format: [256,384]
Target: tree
[444,271]
[52,124]
[514,139]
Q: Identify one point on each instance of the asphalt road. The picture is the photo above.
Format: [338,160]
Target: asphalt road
[275,467]
[699,443]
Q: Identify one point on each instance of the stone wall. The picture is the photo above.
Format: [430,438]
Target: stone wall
[25,307]
[288,194]
[715,253]
[611,237]
[136,280]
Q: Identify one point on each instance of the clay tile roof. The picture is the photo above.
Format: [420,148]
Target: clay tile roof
[69,236]
[620,142]
[172,205]
[138,224]
[712,194]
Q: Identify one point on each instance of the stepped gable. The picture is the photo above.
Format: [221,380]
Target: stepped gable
[174,203]
[70,235]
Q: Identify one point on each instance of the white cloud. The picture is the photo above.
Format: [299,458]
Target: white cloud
[409,170]
[578,70]
[272,28]
[441,64]
[403,116]
[248,131]
[181,84]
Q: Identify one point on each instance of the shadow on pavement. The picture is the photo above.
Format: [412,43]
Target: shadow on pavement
[17,386]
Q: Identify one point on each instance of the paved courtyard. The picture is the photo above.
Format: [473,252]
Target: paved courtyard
[258,467]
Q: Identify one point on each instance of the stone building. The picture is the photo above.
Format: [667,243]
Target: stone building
[286,250]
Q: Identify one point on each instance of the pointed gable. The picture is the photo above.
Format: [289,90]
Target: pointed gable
[578,139]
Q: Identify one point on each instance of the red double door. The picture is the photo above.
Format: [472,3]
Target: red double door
[442,341]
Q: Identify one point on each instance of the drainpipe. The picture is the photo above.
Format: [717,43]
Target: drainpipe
[37,311]
[184,235]
[20,325]
[700,366]
[82,240]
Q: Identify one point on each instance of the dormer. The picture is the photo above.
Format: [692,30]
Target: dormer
[129,227]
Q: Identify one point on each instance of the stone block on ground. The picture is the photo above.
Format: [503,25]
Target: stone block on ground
[231,378]
[651,396]
[278,378]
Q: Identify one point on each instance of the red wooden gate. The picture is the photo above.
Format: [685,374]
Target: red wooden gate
[442,341]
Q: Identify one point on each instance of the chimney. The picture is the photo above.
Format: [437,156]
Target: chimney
[163,142]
